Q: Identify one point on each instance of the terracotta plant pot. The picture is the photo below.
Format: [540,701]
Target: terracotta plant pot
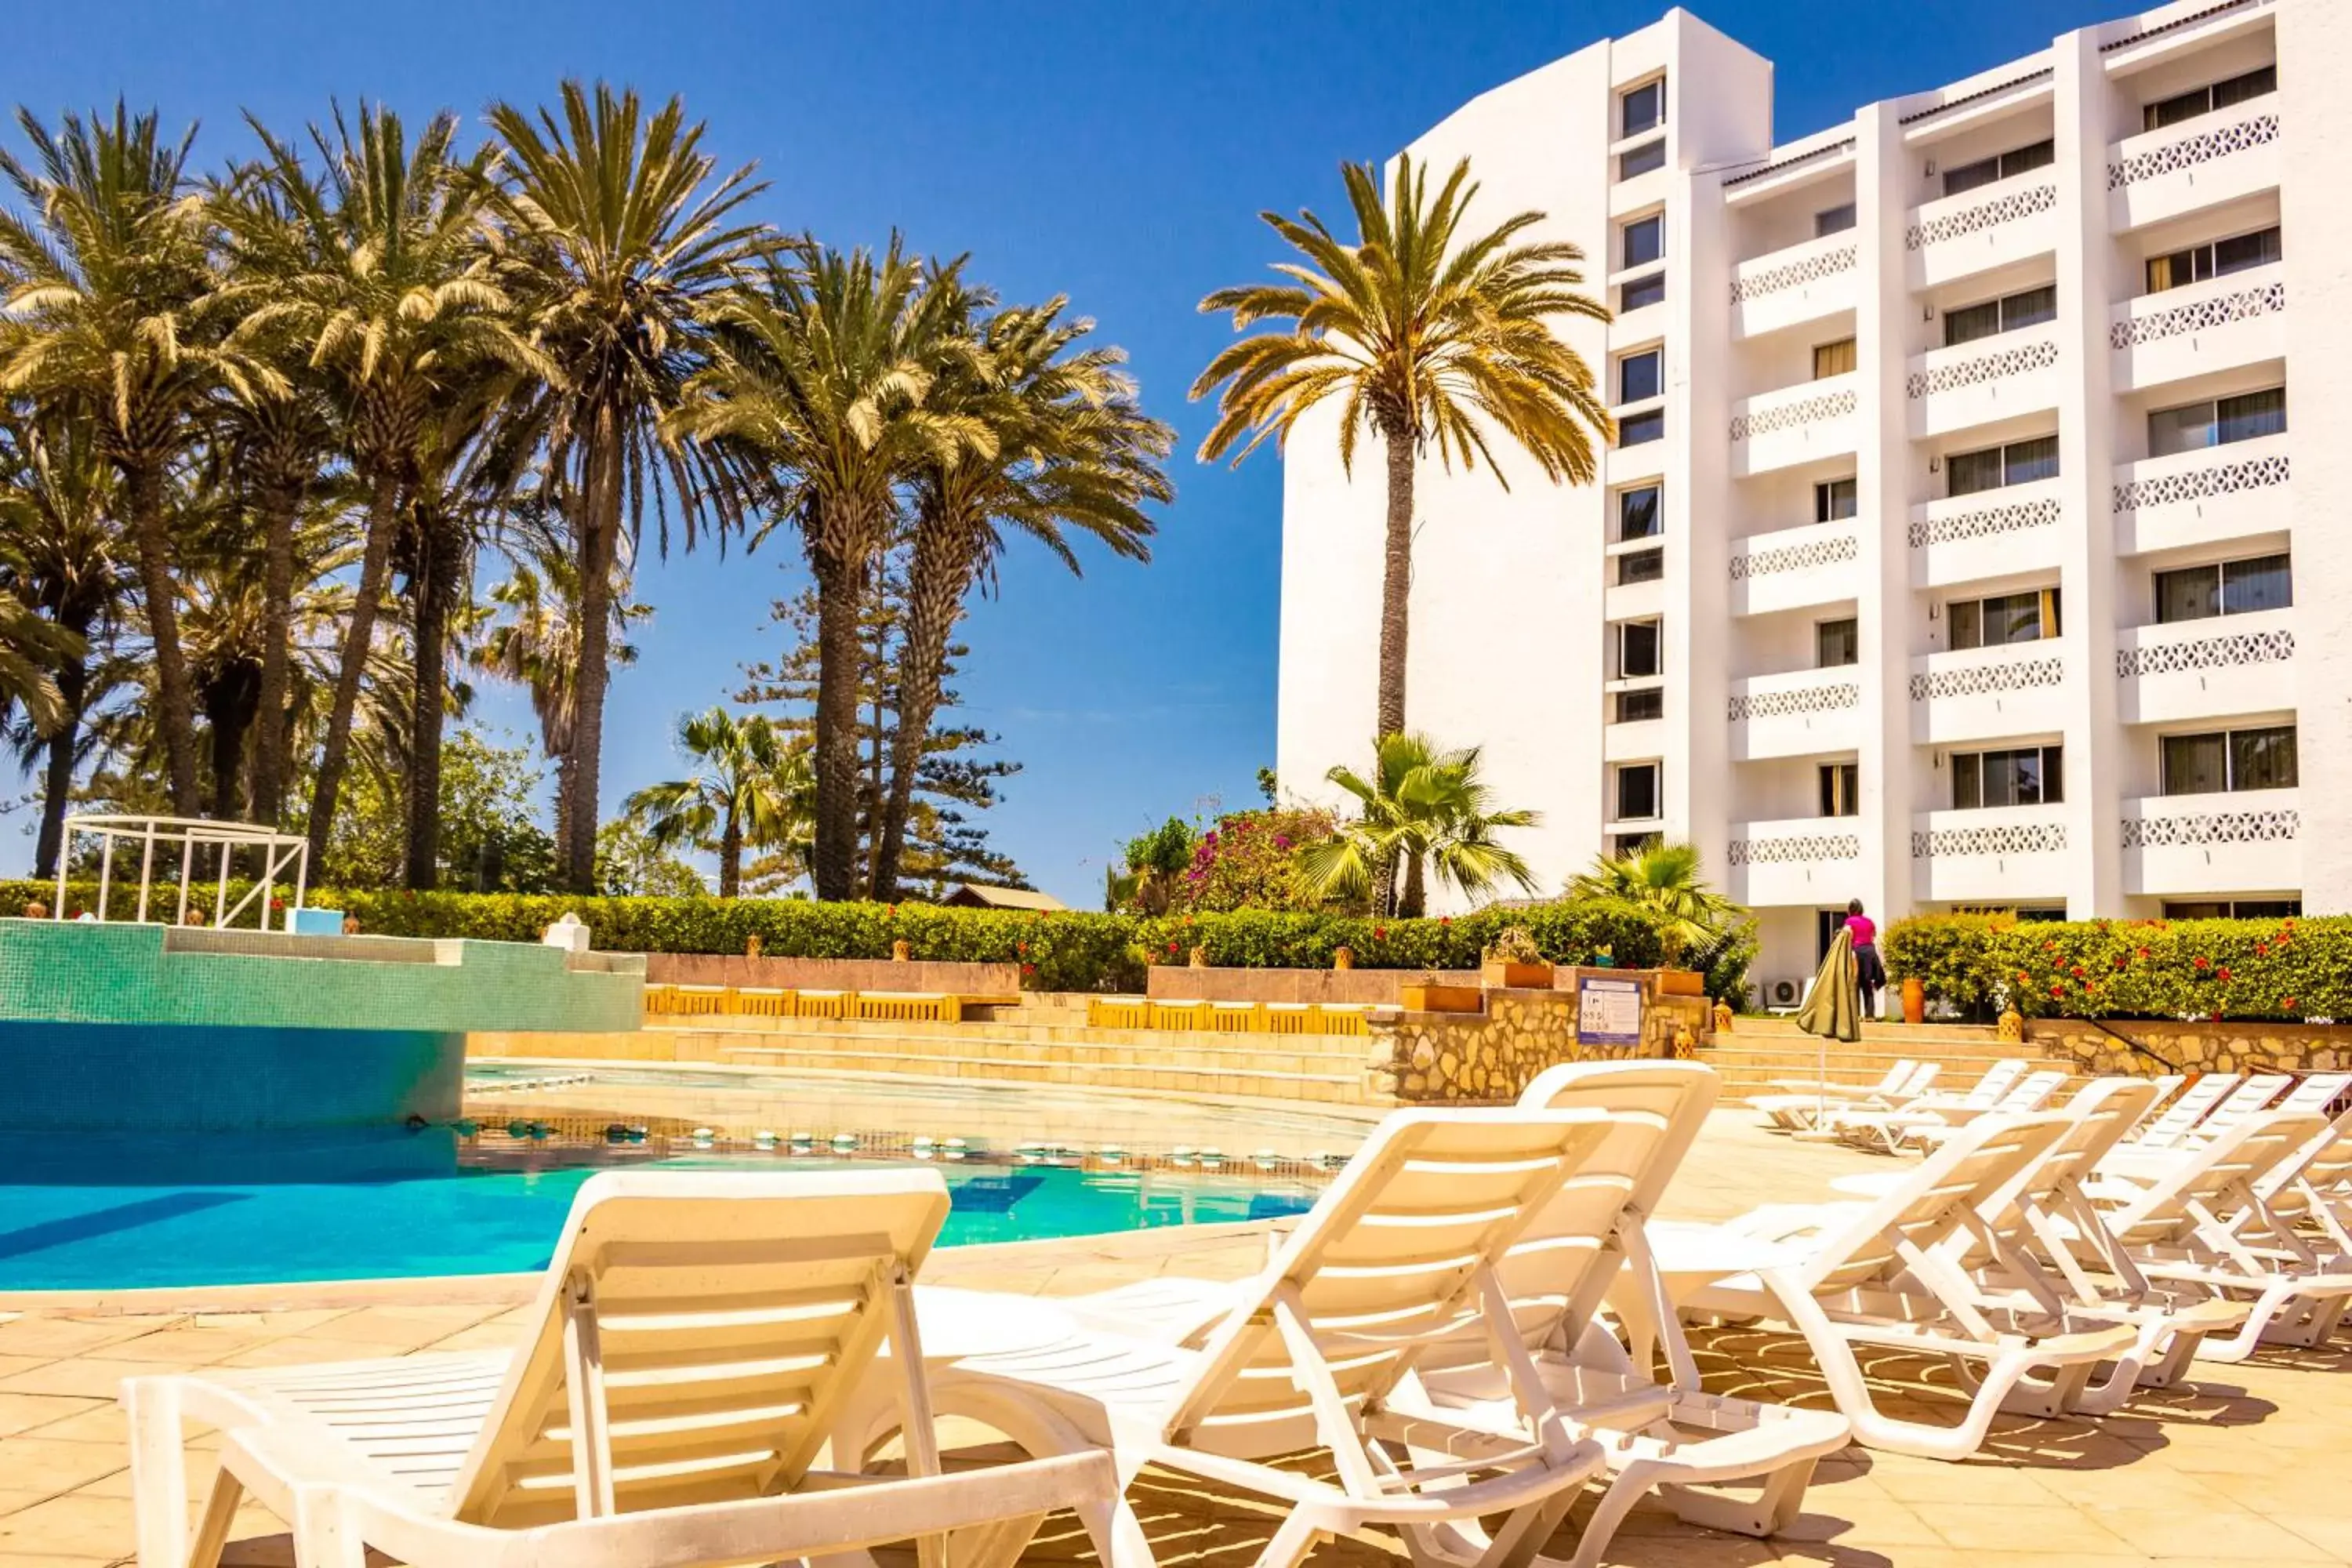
[1502,974]
[1441,998]
[1680,983]
[1914,1000]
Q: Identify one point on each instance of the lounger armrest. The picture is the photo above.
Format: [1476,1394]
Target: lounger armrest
[839,1514]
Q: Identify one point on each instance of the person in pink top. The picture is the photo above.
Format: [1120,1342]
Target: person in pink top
[1868,970]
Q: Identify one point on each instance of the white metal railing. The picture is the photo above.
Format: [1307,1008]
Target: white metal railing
[277,851]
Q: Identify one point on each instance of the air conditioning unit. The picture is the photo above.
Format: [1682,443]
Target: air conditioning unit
[1784,993]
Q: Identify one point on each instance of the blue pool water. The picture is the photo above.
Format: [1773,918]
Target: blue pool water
[119,1212]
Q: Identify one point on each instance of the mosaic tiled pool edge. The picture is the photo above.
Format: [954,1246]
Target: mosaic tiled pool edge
[124,1027]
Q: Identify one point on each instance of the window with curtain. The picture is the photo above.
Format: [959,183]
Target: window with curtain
[2209,99]
[1836,643]
[2013,312]
[2230,760]
[1833,359]
[2003,619]
[2179,268]
[2021,775]
[1835,498]
[2225,588]
[2217,422]
[1841,785]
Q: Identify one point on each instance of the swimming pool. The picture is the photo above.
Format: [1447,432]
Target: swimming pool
[111,1212]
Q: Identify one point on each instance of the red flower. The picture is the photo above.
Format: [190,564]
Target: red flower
[1028,968]
[2121,961]
[1172,947]
[2262,949]
[1188,920]
[2143,953]
[2057,988]
[2204,963]
[2223,973]
[2078,971]
[1380,934]
[889,911]
[1022,948]
[2023,978]
[2287,1004]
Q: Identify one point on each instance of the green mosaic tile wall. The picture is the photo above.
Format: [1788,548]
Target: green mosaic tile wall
[121,972]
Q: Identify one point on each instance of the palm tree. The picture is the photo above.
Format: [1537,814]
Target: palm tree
[64,555]
[1069,449]
[537,645]
[103,283]
[1422,812]
[824,374]
[396,298]
[1427,342]
[622,240]
[752,791]
[1662,882]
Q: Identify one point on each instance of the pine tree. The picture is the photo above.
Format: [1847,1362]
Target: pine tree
[955,780]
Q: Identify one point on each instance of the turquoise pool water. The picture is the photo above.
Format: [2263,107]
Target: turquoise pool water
[115,1211]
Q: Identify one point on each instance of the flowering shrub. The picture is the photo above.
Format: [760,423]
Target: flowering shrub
[2130,968]
[1249,860]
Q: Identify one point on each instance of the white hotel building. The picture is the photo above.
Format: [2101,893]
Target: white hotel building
[1958,549]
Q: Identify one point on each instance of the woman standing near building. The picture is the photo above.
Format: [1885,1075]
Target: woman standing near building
[1869,971]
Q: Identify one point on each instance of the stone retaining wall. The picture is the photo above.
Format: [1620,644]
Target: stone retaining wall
[1471,1059]
[2195,1047]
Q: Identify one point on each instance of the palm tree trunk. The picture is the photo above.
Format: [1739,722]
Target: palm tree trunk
[1396,586]
[278,505]
[232,698]
[421,871]
[840,581]
[937,581]
[600,527]
[562,801]
[1415,898]
[730,858]
[335,755]
[175,693]
[56,785]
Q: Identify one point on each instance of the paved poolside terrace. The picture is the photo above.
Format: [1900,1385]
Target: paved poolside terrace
[2242,1465]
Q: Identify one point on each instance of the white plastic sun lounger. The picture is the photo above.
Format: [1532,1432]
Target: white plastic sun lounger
[2203,1228]
[1402,1253]
[685,1358]
[1866,1275]
[2195,1102]
[1926,1128]
[1882,1130]
[1556,1280]
[1797,1112]
[2313,1193]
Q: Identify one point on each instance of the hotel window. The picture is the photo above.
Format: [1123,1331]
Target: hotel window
[1641,513]
[2235,909]
[2228,761]
[1832,220]
[1836,643]
[1995,468]
[1642,241]
[2003,619]
[1641,108]
[1636,162]
[2026,775]
[2030,309]
[1840,789]
[1642,376]
[2239,253]
[1640,566]
[1639,791]
[1637,651]
[1641,292]
[1641,429]
[1986,171]
[1833,359]
[2206,100]
[2225,588]
[2217,422]
[1834,499]
[1632,707]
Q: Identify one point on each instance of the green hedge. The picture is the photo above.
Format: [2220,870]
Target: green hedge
[2130,968]
[1073,950]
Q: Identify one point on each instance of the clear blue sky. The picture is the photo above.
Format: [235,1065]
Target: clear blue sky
[1116,153]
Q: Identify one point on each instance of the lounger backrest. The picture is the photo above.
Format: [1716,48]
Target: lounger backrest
[2031,1091]
[1387,1263]
[2214,1179]
[2097,1117]
[1897,1076]
[693,1337]
[1960,1178]
[2254,1094]
[1923,1074]
[2188,1111]
[2315,1091]
[2322,1165]
[1996,1082]
[2167,1084]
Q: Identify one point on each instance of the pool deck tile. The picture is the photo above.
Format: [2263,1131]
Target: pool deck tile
[2230,1470]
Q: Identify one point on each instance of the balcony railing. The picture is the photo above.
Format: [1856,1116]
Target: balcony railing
[2206,669]
[2012,201]
[2139,159]
[1794,567]
[2190,844]
[1992,534]
[1800,860]
[1804,712]
[1797,283]
[1982,694]
[2219,324]
[2186,168]
[2000,854]
[1979,383]
[1795,424]
[2194,497]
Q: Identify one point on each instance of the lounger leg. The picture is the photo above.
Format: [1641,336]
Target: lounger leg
[1291,1544]
[1523,1535]
[159,1472]
[1615,1503]
[220,1511]
[999,1544]
[323,1537]
[1768,1513]
[1117,1533]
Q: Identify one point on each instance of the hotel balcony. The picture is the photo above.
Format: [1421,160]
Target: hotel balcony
[1980,382]
[2219,324]
[1796,568]
[1993,225]
[1803,714]
[2187,846]
[2198,164]
[2204,497]
[1997,855]
[1993,533]
[1990,693]
[1800,283]
[1805,860]
[1793,424]
[2208,669]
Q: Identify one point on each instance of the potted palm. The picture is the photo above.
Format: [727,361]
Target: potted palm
[1662,882]
[1512,961]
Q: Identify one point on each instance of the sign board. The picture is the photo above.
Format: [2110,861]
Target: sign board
[1608,1012]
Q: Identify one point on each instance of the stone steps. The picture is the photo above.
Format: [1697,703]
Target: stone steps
[1758,1051]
